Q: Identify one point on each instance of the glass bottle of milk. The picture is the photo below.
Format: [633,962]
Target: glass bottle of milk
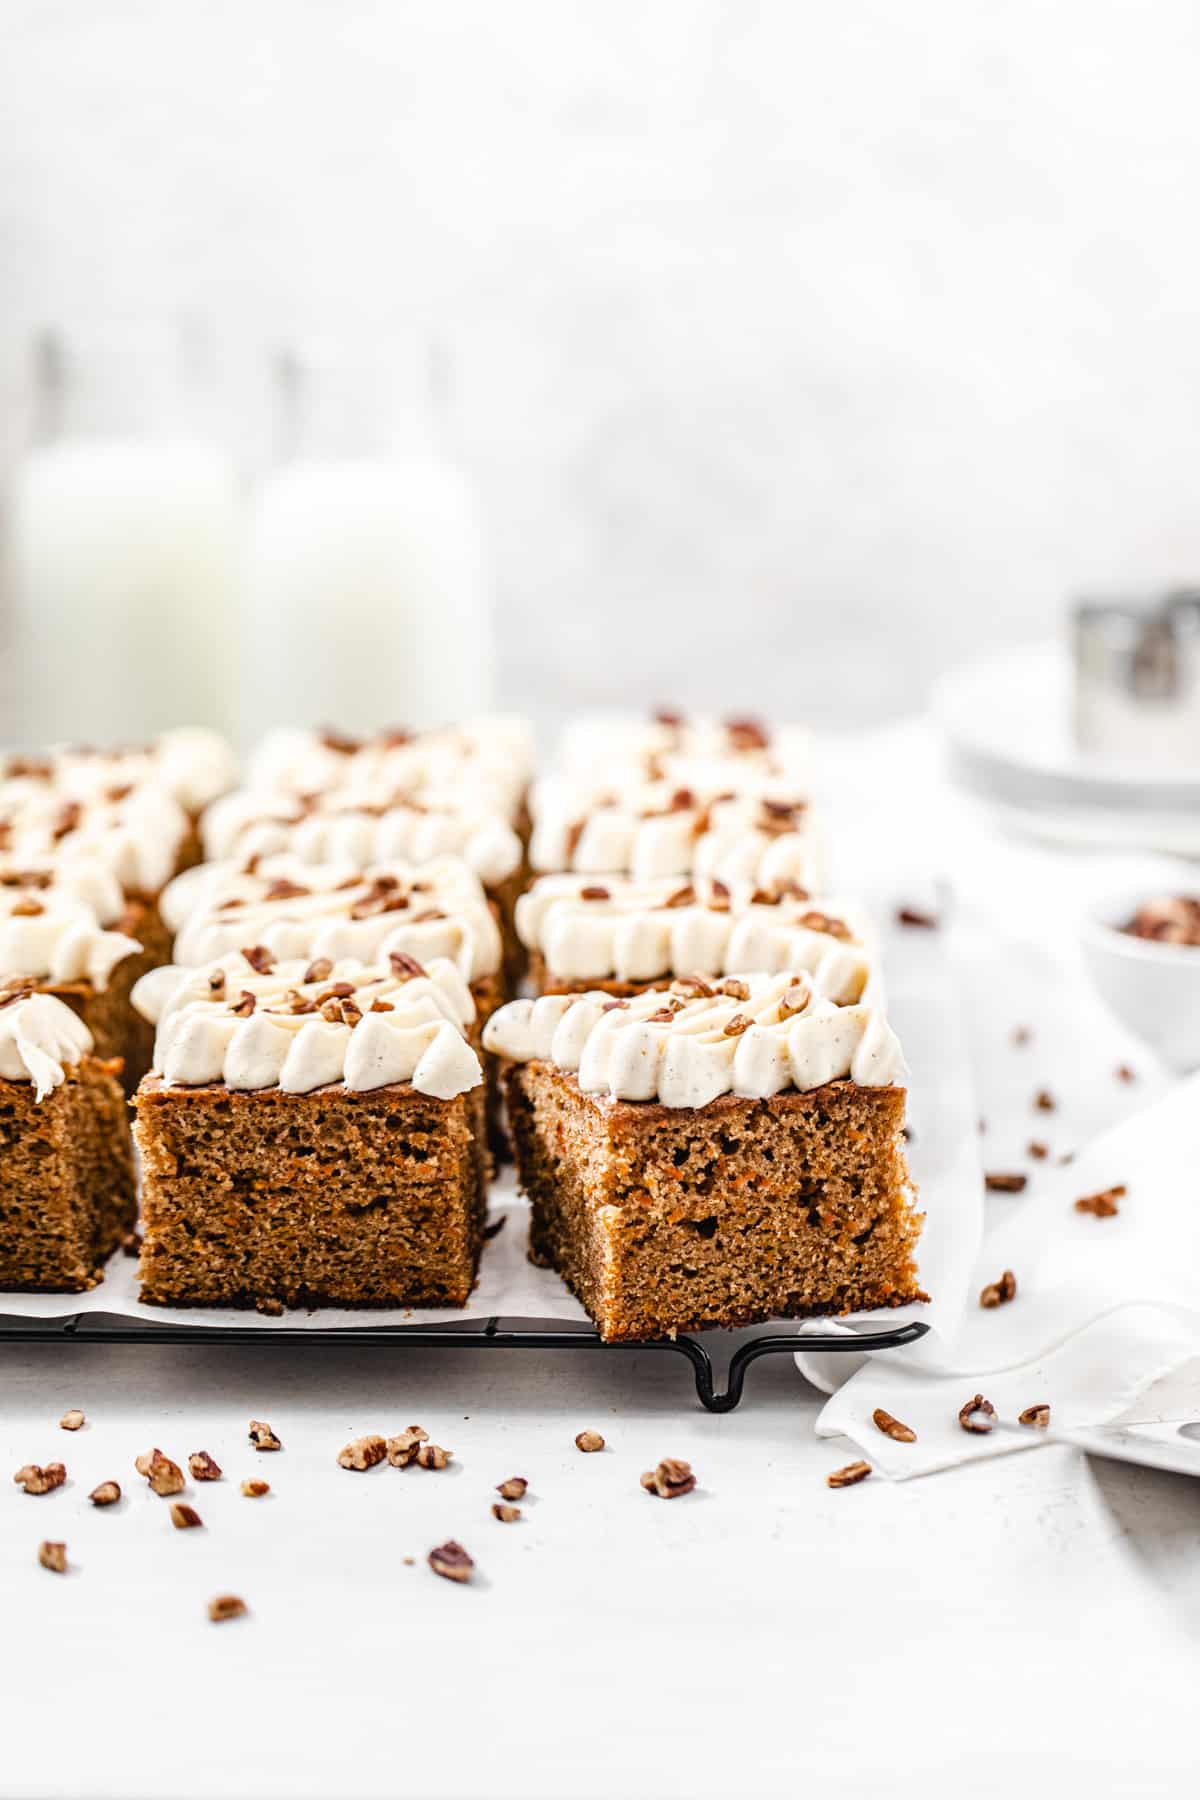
[123,544]
[368,598]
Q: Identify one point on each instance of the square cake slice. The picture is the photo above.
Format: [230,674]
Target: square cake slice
[311,1134]
[67,1192]
[713,1155]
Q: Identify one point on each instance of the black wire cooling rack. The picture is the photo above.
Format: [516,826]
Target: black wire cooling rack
[496,1333]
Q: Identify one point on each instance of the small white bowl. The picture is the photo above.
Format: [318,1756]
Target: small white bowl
[1152,988]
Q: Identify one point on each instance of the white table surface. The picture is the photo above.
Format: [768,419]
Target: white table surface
[1033,1619]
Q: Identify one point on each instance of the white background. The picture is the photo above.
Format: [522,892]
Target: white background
[796,347]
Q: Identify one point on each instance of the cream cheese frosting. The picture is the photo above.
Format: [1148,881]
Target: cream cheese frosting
[300,1025]
[753,833]
[752,1036]
[80,879]
[40,1038]
[252,823]
[615,928]
[190,764]
[295,909]
[52,936]
[136,834]
[489,759]
[671,746]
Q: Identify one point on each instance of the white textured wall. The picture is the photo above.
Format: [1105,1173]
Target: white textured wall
[799,347]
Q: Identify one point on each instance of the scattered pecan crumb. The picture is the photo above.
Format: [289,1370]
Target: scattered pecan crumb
[36,1480]
[72,1420]
[999,1293]
[226,1606]
[432,1456]
[164,1476]
[1123,1072]
[53,1557]
[506,1514]
[1038,1415]
[262,1437]
[408,1561]
[254,1490]
[1038,1150]
[451,1561]
[202,1467]
[1044,1100]
[402,1449]
[923,921]
[890,1427]
[107,1494]
[977,1415]
[587,1441]
[363,1453]
[1021,1034]
[184,1517]
[1005,1184]
[850,1476]
[514,1488]
[1104,1204]
[671,1478]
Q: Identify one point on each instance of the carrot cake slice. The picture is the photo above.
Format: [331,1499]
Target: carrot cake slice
[718,1154]
[310,1134]
[612,932]
[67,1194]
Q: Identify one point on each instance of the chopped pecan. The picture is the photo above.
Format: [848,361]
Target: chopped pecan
[890,1427]
[432,1456]
[363,1453]
[747,734]
[719,896]
[27,909]
[165,1477]
[977,1415]
[1021,1035]
[663,1016]
[202,1467]
[691,987]
[588,1442]
[593,892]
[72,1420]
[36,1480]
[669,1479]
[514,1488]
[262,1437]
[1043,1100]
[921,921]
[402,1449]
[244,1005]
[505,1513]
[226,1606]
[53,1557]
[184,1517]
[451,1561]
[320,970]
[1037,1150]
[849,1476]
[684,896]
[999,1293]
[827,926]
[1104,1204]
[405,967]
[795,1000]
[1038,1415]
[131,1244]
[216,983]
[259,958]
[254,1490]
[1123,1072]
[107,1494]
[1005,1184]
[735,1026]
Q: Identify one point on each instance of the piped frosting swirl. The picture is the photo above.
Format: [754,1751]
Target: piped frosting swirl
[596,929]
[40,1038]
[299,1026]
[296,909]
[51,935]
[752,1036]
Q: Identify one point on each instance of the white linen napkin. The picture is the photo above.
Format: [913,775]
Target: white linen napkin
[1105,1307]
